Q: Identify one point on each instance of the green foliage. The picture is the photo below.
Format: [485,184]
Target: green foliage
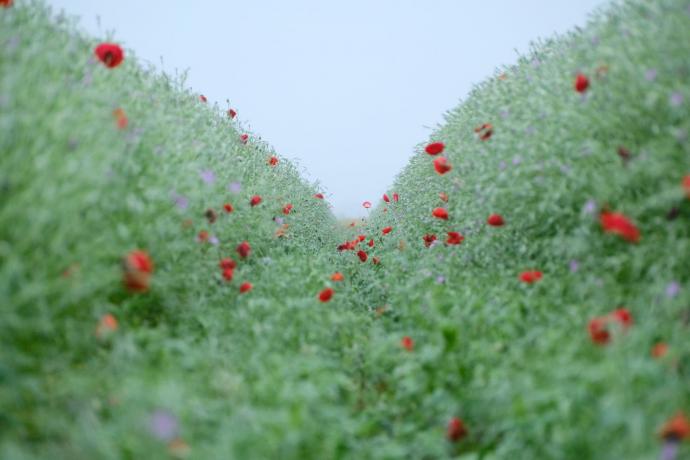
[274,373]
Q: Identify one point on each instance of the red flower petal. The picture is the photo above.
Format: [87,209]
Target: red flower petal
[495,220]
[243,249]
[367,204]
[109,54]
[386,199]
[686,185]
[232,113]
[623,316]
[530,277]
[244,138]
[598,332]
[676,428]
[246,287]
[326,295]
[256,199]
[440,213]
[319,196]
[396,197]
[227,263]
[273,161]
[386,230]
[228,208]
[287,208]
[362,256]
[441,165]
[407,343]
[454,238]
[581,83]
[617,223]
[456,430]
[428,239]
[435,148]
[228,274]
[337,276]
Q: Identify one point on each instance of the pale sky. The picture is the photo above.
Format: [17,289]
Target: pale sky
[346,88]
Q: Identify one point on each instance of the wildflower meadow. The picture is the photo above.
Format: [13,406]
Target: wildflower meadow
[171,287]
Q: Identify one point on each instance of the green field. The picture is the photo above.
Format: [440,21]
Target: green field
[188,366]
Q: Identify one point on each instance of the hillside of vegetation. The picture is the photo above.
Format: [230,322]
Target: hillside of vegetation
[173,289]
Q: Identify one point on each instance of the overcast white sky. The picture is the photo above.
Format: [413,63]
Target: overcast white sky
[346,87]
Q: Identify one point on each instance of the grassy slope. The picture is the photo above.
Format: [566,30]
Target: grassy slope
[274,373]
[516,360]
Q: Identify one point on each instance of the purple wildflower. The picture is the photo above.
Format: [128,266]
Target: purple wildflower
[676,99]
[590,207]
[672,289]
[235,187]
[574,265]
[650,74]
[163,425]
[207,176]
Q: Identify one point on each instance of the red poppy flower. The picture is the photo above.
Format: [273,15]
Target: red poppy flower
[371,243]
[435,148]
[361,237]
[319,196]
[367,204]
[202,98]
[615,222]
[659,350]
[244,138]
[443,196]
[396,197]
[109,54]
[484,131]
[581,83]
[227,263]
[386,230]
[245,287]
[256,199]
[495,220]
[120,118]
[376,260]
[623,316]
[273,161]
[456,430]
[530,277]
[337,276]
[228,208]
[407,343]
[232,113]
[106,326]
[243,249]
[326,295]
[597,330]
[228,274]
[202,237]
[287,208]
[686,185]
[624,154]
[676,428]
[454,238]
[386,199]
[428,239]
[440,213]
[362,255]
[441,165]
[137,267]
[6,3]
